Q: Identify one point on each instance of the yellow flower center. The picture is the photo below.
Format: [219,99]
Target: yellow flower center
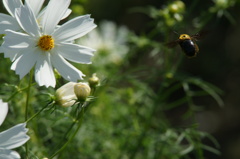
[46,42]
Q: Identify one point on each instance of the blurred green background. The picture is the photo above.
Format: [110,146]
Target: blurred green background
[218,61]
[153,101]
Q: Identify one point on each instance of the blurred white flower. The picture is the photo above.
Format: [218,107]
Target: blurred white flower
[10,21]
[46,46]
[11,138]
[110,41]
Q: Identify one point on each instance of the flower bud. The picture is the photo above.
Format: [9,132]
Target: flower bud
[65,95]
[177,7]
[82,91]
[93,81]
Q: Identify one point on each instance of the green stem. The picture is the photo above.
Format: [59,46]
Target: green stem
[191,113]
[27,104]
[28,94]
[29,119]
[18,91]
[80,119]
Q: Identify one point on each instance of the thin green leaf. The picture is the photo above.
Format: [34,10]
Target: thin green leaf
[210,89]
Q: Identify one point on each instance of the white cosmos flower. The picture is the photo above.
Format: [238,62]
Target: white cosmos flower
[11,138]
[48,46]
[10,22]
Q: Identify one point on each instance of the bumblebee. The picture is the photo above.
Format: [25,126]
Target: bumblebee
[188,43]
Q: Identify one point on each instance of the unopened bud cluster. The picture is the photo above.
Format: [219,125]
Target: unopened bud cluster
[72,92]
[173,13]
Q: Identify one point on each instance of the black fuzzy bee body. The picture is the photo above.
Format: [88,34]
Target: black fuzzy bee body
[189,47]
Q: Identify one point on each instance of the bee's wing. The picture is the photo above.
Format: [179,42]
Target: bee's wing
[172,44]
[200,35]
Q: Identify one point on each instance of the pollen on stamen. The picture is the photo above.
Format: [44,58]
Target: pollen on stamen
[46,42]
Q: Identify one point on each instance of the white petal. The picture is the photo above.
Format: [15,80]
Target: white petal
[56,9]
[12,55]
[23,64]
[8,22]
[75,53]
[41,14]
[8,154]
[108,30]
[4,111]
[44,75]
[74,29]
[16,40]
[27,20]
[11,5]
[15,43]
[67,13]
[14,137]
[93,39]
[68,71]
[35,5]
